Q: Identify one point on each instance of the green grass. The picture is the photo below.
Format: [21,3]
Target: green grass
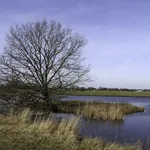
[95,110]
[106,93]
[18,133]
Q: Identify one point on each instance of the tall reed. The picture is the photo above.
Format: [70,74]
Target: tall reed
[20,133]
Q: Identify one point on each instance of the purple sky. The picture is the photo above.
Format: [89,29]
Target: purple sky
[118,33]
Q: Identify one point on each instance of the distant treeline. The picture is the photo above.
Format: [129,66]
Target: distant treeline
[19,85]
[106,89]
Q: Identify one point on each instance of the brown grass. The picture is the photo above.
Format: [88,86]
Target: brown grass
[95,109]
[107,111]
[101,111]
[18,133]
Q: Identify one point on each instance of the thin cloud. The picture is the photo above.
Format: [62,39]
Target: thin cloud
[118,33]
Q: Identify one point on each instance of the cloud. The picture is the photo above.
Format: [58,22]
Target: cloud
[118,33]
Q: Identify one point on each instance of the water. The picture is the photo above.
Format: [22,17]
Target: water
[130,130]
[138,101]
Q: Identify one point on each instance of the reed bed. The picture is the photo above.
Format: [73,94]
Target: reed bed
[107,111]
[97,109]
[101,111]
[18,132]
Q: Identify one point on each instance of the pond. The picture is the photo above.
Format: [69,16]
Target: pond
[130,130]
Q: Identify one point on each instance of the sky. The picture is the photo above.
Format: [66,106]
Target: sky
[118,34]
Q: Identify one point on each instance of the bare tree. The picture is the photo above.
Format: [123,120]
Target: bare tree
[44,54]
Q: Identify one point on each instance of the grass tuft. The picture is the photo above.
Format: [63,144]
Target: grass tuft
[101,111]
[18,133]
[97,109]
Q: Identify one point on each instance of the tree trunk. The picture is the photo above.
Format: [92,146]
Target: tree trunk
[47,100]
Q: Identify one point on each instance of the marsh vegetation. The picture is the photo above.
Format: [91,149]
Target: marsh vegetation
[93,110]
[17,132]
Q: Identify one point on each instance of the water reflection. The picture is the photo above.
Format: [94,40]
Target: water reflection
[121,131]
[130,130]
[105,129]
[133,128]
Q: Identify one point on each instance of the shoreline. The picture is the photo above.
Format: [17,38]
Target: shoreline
[106,96]
[50,134]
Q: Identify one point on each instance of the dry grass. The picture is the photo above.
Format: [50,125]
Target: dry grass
[18,133]
[97,144]
[101,111]
[107,111]
[95,109]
